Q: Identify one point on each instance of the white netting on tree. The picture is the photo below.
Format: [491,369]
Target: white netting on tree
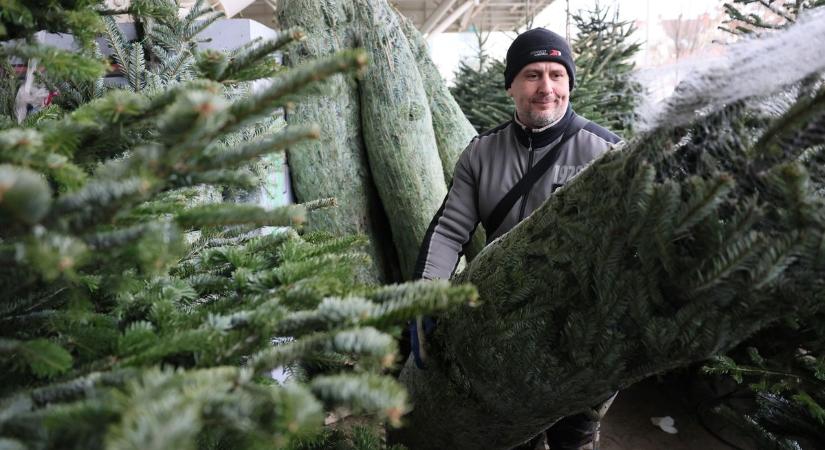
[752,68]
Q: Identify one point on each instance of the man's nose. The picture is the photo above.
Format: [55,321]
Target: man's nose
[545,86]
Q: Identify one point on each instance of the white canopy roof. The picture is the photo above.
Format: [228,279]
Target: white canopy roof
[438,16]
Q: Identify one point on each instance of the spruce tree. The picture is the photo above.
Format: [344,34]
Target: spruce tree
[479,90]
[606,92]
[139,308]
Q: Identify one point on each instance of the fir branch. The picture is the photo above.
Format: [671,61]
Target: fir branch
[224,214]
[118,44]
[81,388]
[364,341]
[118,107]
[243,60]
[295,250]
[399,303]
[142,8]
[321,203]
[26,147]
[177,65]
[779,12]
[98,200]
[288,84]
[232,156]
[363,393]
[136,68]
[124,236]
[775,260]
[161,100]
[703,200]
[292,272]
[44,358]
[731,258]
[798,116]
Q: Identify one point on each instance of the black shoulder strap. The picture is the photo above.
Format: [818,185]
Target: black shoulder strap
[529,179]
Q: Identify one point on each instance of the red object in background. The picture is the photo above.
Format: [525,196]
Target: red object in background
[52,95]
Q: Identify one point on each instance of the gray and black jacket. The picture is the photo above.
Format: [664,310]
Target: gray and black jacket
[487,169]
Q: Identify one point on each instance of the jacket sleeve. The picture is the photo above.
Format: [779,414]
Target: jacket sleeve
[452,226]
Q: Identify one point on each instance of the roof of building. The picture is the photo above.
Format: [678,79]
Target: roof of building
[438,16]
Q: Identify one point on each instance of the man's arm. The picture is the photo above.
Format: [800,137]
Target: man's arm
[452,226]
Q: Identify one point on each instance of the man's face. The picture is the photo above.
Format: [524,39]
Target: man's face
[541,92]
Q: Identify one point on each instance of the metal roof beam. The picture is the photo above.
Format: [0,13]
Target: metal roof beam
[449,20]
[439,12]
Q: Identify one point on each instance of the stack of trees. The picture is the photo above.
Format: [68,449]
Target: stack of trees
[139,309]
[394,135]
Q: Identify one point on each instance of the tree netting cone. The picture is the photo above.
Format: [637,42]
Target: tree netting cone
[707,227]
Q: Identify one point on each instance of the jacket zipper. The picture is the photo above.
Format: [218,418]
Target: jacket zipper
[529,167]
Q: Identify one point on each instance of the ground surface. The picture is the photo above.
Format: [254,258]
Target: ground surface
[627,425]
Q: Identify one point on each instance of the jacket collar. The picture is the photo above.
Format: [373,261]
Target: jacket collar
[542,137]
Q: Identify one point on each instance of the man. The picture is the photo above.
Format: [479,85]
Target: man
[539,76]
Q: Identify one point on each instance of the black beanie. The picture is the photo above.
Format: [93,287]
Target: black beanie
[538,44]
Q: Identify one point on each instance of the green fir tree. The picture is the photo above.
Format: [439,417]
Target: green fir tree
[139,308]
[479,90]
[606,92]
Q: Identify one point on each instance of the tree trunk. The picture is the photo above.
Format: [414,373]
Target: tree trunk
[655,257]
[336,164]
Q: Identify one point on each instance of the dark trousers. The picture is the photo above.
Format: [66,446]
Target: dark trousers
[569,433]
[572,432]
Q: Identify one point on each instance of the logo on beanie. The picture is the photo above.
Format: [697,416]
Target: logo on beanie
[543,52]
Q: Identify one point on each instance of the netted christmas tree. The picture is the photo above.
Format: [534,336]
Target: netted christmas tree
[779,399]
[138,308]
